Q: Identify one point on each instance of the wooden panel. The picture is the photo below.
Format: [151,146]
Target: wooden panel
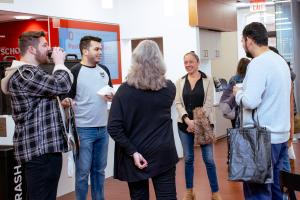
[217,15]
[193,13]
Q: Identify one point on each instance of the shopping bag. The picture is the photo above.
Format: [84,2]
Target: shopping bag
[250,153]
[69,128]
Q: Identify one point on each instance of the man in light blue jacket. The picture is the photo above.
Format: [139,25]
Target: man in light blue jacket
[266,87]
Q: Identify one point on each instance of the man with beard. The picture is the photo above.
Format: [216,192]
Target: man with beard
[38,137]
[91,118]
[266,88]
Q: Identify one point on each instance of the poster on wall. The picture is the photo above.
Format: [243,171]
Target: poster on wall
[70,32]
[69,40]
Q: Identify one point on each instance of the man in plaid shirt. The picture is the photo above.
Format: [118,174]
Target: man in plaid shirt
[38,137]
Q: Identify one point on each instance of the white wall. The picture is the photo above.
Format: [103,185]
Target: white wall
[140,19]
[225,66]
[137,19]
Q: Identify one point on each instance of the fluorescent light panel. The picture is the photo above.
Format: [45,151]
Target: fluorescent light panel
[281,19]
[23,17]
[283,23]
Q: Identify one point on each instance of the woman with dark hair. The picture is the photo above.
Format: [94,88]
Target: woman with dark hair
[227,102]
[195,89]
[141,125]
[240,71]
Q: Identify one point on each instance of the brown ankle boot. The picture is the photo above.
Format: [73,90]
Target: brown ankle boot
[216,196]
[189,195]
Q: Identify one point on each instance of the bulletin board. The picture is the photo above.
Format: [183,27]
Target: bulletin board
[67,34]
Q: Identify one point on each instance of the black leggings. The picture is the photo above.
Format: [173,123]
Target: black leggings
[164,187]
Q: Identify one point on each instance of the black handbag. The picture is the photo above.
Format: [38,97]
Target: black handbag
[249,153]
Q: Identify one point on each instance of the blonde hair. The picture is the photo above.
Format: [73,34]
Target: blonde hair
[148,69]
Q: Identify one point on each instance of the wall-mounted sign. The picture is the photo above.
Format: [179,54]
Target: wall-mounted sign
[257,7]
[2,127]
[67,34]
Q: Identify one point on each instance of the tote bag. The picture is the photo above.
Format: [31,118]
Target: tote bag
[69,127]
[250,153]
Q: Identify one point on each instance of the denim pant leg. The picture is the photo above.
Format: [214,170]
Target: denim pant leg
[42,175]
[208,158]
[99,164]
[187,141]
[254,191]
[164,185]
[287,168]
[87,136]
[279,155]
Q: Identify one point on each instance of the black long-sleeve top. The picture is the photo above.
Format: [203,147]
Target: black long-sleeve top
[192,98]
[140,121]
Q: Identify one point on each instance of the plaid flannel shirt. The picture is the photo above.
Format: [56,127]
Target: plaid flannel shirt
[38,123]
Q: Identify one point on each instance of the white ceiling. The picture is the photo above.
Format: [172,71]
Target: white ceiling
[10,16]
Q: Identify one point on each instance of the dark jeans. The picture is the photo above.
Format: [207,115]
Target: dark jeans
[42,175]
[164,187]
[253,191]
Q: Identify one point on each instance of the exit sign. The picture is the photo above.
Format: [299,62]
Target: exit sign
[257,7]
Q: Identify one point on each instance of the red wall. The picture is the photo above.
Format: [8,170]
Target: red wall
[10,31]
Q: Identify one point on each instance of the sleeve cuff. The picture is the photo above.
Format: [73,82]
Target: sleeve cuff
[131,150]
[64,68]
[238,97]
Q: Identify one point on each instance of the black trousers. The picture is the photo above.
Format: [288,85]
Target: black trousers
[164,187]
[42,175]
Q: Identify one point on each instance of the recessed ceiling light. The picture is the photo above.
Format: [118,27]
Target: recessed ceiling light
[23,17]
[107,4]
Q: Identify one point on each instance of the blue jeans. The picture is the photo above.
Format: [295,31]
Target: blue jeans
[187,141]
[253,191]
[92,161]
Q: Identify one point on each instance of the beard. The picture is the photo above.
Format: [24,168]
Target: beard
[42,58]
[248,54]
